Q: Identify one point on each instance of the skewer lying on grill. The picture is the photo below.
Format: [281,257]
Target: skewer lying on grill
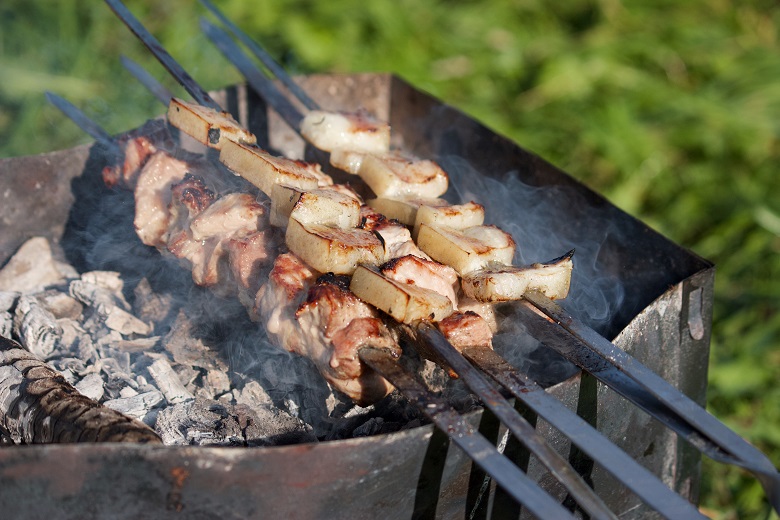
[517,483]
[624,374]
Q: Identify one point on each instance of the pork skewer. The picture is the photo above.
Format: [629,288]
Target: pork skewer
[485,454]
[560,468]
[287,282]
[642,482]
[532,494]
[676,410]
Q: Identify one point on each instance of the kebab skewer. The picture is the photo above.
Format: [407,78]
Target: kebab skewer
[290,272]
[506,473]
[484,391]
[623,374]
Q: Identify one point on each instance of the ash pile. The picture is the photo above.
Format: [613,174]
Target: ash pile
[188,363]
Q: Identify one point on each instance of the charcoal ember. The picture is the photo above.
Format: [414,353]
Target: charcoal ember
[209,422]
[75,342]
[150,306]
[38,405]
[109,280]
[107,303]
[139,406]
[72,369]
[60,304]
[36,327]
[33,268]
[187,349]
[216,382]
[168,382]
[8,300]
[252,395]
[91,386]
[125,323]
[371,427]
[95,295]
[6,324]
[137,345]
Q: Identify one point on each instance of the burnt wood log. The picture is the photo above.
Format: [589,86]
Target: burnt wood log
[37,405]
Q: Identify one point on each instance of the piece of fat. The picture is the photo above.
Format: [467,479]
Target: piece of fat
[347,159]
[392,175]
[327,207]
[497,283]
[206,125]
[403,210]
[456,216]
[354,131]
[405,302]
[332,250]
[265,170]
[469,249]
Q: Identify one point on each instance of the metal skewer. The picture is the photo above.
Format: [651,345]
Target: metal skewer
[147,80]
[629,377]
[276,70]
[526,492]
[639,384]
[479,449]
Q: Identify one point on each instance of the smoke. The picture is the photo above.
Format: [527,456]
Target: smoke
[546,222]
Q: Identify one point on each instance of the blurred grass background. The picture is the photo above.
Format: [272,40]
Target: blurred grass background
[671,109]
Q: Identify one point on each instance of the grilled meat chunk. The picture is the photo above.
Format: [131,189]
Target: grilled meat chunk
[153,195]
[334,325]
[137,151]
[466,329]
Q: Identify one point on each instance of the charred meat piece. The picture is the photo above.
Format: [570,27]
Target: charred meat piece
[204,243]
[466,329]
[334,325]
[412,270]
[124,174]
[153,195]
[396,237]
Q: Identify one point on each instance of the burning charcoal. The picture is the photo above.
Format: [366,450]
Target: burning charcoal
[8,300]
[70,368]
[125,323]
[91,386]
[36,327]
[60,304]
[168,382]
[38,405]
[371,427]
[110,280]
[32,268]
[6,324]
[138,406]
[74,341]
[189,350]
[133,346]
[216,382]
[95,295]
[149,306]
[252,395]
[208,422]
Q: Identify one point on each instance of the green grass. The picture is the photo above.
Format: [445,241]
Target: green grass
[671,109]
